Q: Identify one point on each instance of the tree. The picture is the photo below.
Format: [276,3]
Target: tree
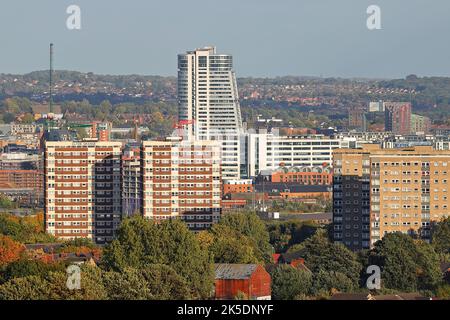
[10,250]
[26,288]
[230,246]
[322,255]
[250,225]
[326,282]
[289,282]
[140,242]
[441,236]
[287,233]
[28,118]
[406,265]
[91,288]
[152,282]
[25,230]
[5,202]
[27,267]
[129,284]
[53,286]
[165,283]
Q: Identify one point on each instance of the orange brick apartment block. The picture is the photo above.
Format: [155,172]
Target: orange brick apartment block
[407,190]
[82,189]
[182,179]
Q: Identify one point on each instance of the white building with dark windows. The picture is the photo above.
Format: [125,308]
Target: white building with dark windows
[268,151]
[209,103]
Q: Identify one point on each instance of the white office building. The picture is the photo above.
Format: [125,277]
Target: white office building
[270,151]
[209,103]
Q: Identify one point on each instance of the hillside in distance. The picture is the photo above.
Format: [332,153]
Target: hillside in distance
[428,94]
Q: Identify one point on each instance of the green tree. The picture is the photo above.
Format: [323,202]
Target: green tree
[250,225]
[91,288]
[6,203]
[284,234]
[230,246]
[441,236]
[27,267]
[140,242]
[289,282]
[326,282]
[28,118]
[152,282]
[166,283]
[407,265]
[322,255]
[26,288]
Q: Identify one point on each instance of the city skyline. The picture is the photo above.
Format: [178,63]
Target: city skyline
[311,37]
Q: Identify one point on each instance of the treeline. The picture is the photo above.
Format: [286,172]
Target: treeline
[14,84]
[167,261]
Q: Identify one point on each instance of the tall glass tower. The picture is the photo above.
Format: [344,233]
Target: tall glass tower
[208,103]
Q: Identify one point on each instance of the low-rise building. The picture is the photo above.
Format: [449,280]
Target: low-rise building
[251,280]
[237,186]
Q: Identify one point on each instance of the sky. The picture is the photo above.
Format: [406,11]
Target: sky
[267,38]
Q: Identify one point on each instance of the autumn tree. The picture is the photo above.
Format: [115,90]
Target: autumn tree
[10,250]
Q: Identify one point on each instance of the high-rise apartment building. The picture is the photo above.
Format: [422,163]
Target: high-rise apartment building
[182,179]
[420,124]
[404,189]
[351,198]
[209,103]
[82,189]
[397,117]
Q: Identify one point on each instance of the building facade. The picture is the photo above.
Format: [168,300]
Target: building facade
[237,186]
[131,181]
[420,124]
[82,189]
[397,117]
[182,179]
[351,198]
[209,103]
[269,151]
[405,189]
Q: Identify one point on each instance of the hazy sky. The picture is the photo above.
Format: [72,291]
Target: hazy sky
[266,37]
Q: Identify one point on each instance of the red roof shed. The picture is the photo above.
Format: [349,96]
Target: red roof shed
[250,279]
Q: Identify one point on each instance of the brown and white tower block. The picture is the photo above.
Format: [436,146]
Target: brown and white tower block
[82,189]
[182,179]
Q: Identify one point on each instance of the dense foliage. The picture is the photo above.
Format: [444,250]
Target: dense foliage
[167,261]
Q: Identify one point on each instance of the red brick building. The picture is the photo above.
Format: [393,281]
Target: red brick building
[82,189]
[237,186]
[252,280]
[16,179]
[304,175]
